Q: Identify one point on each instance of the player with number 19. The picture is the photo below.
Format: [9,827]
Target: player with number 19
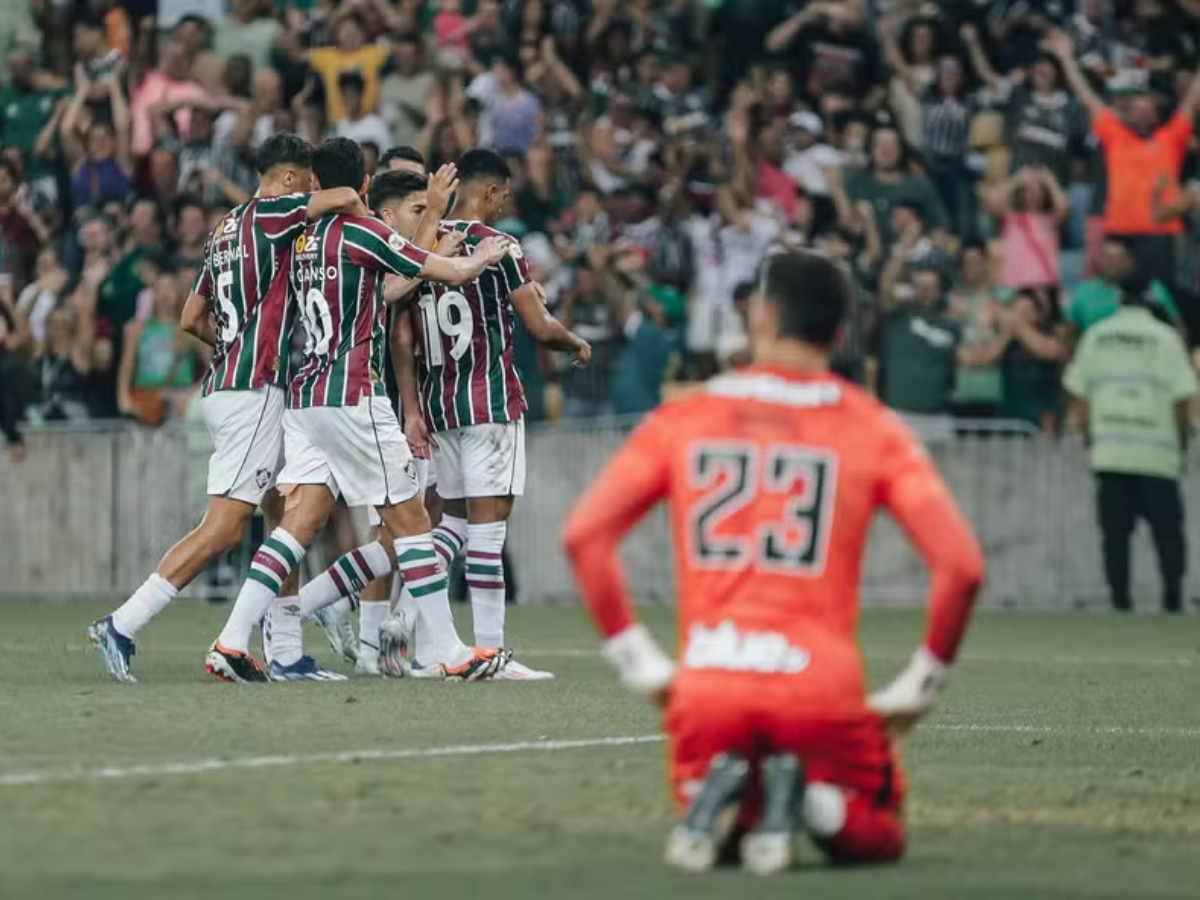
[238,306]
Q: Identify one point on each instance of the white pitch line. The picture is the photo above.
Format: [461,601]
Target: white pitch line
[203,766]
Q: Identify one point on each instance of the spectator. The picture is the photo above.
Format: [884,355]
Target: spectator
[263,116]
[160,364]
[452,30]
[42,296]
[18,35]
[62,369]
[1030,208]
[1137,154]
[170,82]
[586,310]
[14,336]
[836,52]
[1096,299]
[350,53]
[359,124]
[191,234]
[98,154]
[1130,383]
[21,228]
[910,47]
[1044,125]
[245,33]
[1031,360]
[28,103]
[888,182]
[404,90]
[976,304]
[510,116]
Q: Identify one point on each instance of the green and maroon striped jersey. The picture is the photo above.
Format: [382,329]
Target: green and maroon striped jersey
[465,368]
[244,277]
[337,272]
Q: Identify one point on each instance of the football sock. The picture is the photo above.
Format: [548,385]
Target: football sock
[370,614]
[275,559]
[485,578]
[448,540]
[147,602]
[348,575]
[283,631]
[437,641]
[852,828]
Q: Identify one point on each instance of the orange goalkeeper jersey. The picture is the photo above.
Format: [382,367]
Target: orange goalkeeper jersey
[772,480]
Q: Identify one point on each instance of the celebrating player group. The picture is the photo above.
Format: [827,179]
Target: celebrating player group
[772,475]
[306,251]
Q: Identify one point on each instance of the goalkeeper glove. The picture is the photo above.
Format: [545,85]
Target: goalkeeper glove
[913,693]
[640,662]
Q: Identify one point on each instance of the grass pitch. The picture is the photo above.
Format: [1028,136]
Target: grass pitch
[1064,763]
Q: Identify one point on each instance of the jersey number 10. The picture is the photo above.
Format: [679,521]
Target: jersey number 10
[731,476]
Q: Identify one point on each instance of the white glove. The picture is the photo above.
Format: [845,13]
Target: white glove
[914,691]
[640,662]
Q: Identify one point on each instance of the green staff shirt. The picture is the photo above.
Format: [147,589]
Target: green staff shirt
[1132,370]
[1094,301]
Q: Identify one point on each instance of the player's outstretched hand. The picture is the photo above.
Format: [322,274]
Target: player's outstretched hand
[491,250]
[450,244]
[585,354]
[417,432]
[443,185]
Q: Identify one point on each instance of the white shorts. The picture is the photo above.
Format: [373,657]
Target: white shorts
[358,452]
[424,469]
[481,461]
[246,429]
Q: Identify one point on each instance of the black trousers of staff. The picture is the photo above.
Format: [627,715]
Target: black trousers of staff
[1123,499]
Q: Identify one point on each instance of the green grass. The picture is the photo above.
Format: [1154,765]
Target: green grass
[1065,762]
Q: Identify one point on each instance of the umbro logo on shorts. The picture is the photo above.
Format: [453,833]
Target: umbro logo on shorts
[262,477]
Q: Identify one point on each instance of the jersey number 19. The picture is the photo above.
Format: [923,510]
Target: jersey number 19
[448,314]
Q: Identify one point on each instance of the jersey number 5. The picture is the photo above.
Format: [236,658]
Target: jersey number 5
[732,475]
[227,323]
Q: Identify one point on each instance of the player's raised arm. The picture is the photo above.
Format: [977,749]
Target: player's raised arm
[918,499]
[632,483]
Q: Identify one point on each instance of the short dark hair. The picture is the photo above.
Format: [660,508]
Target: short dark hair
[189,200]
[388,186]
[479,164]
[810,294]
[410,154]
[283,149]
[339,162]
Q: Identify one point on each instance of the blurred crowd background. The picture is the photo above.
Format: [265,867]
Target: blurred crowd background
[960,159]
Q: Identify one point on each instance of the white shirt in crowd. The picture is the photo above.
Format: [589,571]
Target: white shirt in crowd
[370,128]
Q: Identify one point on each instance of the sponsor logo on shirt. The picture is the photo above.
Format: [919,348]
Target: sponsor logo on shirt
[730,650]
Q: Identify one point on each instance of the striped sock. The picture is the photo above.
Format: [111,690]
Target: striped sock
[485,578]
[348,575]
[275,559]
[437,641]
[448,540]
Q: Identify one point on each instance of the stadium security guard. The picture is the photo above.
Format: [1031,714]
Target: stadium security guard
[1131,382]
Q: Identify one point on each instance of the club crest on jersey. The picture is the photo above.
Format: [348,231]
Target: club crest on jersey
[515,251]
[396,242]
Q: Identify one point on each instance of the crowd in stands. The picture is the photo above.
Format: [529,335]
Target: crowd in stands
[992,174]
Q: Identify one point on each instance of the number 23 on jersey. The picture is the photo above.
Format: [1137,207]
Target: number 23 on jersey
[768,508]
